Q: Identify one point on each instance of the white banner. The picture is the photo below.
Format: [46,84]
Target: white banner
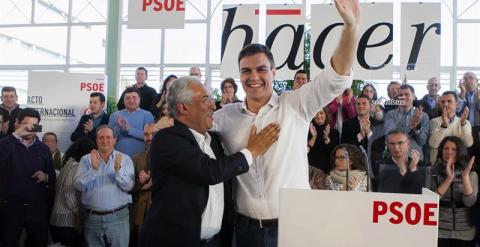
[374,55]
[62,98]
[156,14]
[240,28]
[285,29]
[338,218]
[420,41]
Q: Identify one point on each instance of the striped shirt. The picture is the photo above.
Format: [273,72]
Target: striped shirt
[67,199]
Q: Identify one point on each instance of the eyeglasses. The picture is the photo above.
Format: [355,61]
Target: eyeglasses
[206,100]
[340,157]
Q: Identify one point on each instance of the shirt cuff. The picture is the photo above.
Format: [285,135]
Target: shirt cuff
[359,137]
[369,135]
[248,156]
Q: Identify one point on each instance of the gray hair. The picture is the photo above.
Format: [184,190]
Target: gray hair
[180,92]
[104,126]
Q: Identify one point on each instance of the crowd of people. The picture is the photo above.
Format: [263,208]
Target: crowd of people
[177,168]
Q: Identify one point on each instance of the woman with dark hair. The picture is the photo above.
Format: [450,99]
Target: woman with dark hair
[229,91]
[65,220]
[347,156]
[162,97]
[321,140]
[457,187]
[376,109]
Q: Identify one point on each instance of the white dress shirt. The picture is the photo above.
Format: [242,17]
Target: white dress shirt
[285,164]
[213,213]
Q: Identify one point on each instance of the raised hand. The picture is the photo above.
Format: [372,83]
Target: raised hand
[88,126]
[464,116]
[118,162]
[349,10]
[466,171]
[164,122]
[445,119]
[95,159]
[450,169]
[313,130]
[144,176]
[414,161]
[259,143]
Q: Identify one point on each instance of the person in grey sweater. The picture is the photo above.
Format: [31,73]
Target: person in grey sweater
[457,185]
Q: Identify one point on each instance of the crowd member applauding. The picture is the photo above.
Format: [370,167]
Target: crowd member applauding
[229,91]
[457,186]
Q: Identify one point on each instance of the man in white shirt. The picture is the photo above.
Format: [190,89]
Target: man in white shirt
[191,195]
[448,124]
[285,164]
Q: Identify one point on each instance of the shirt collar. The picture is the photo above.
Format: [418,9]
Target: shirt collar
[127,111]
[20,139]
[273,102]
[199,137]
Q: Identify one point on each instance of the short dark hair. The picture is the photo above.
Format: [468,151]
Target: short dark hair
[363,96]
[408,86]
[99,95]
[143,68]
[49,134]
[300,71]
[397,132]
[253,49]
[28,112]
[451,93]
[78,149]
[231,81]
[9,89]
[132,90]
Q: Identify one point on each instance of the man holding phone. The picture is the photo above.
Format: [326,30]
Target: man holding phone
[26,169]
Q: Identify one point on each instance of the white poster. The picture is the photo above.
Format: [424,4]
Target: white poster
[156,14]
[240,28]
[375,51]
[338,218]
[285,26]
[420,41]
[62,98]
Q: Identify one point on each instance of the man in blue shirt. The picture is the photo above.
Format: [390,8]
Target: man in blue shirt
[104,177]
[128,124]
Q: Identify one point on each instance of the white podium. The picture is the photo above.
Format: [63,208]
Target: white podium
[337,218]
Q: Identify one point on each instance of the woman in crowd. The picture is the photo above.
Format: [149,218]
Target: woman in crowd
[376,111]
[162,97]
[65,220]
[321,140]
[229,91]
[457,185]
[342,109]
[347,156]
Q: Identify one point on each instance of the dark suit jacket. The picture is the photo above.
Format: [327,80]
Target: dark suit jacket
[350,130]
[78,132]
[432,112]
[181,175]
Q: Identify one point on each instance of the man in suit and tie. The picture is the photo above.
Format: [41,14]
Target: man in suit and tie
[191,195]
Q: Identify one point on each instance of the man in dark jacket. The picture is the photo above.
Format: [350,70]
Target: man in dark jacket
[147,94]
[26,169]
[191,195]
[87,126]
[8,110]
